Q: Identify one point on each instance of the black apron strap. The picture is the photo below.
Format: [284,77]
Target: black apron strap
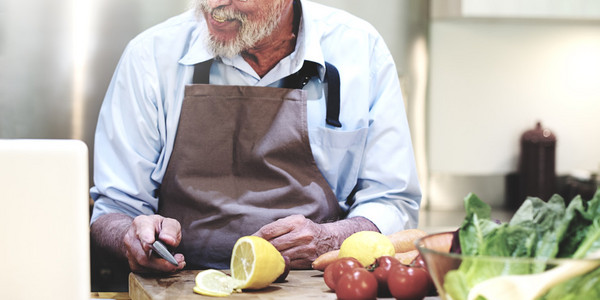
[296,81]
[309,69]
[202,72]
[333,95]
[299,79]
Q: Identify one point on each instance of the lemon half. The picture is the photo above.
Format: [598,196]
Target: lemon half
[255,262]
[366,247]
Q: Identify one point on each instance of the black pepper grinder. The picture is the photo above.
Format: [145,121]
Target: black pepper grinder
[537,174]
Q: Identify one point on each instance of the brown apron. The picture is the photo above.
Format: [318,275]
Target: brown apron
[241,160]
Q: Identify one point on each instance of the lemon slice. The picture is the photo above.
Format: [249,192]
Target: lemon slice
[215,283]
[255,262]
[366,246]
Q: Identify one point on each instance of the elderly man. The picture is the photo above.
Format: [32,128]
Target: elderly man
[278,118]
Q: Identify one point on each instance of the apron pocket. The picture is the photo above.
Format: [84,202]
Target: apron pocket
[338,155]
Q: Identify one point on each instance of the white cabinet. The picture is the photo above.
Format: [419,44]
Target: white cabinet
[536,9]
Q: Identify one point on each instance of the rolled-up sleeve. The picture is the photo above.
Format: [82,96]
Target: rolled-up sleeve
[127,141]
[387,191]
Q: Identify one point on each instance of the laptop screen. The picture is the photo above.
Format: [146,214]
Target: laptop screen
[44,219]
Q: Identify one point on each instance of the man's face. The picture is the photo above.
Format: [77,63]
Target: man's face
[236,26]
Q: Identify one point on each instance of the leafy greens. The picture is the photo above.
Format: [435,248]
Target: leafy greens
[539,229]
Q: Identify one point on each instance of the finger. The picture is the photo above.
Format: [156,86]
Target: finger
[135,267]
[300,264]
[170,232]
[289,240]
[159,264]
[301,251]
[180,260]
[303,234]
[141,263]
[144,228]
[155,266]
[273,230]
[278,228]
[136,255]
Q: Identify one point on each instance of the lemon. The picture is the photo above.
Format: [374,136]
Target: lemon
[215,283]
[255,262]
[366,246]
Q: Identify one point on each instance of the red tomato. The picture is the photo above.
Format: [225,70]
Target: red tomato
[358,284]
[381,268]
[420,262]
[408,283]
[336,269]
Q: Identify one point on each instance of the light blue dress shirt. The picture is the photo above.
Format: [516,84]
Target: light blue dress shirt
[372,151]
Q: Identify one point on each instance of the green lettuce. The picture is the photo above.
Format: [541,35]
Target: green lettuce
[539,229]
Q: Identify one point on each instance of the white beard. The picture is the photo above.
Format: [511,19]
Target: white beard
[250,33]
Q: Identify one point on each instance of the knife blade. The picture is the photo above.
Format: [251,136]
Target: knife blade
[163,252]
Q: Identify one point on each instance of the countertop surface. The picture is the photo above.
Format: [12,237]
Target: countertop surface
[306,284]
[434,221]
[299,284]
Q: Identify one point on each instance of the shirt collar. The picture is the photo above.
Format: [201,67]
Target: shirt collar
[197,52]
[308,47]
[308,44]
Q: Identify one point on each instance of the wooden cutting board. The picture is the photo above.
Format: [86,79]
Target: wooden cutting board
[298,285]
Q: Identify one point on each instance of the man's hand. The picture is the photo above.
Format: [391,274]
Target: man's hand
[131,239]
[140,236]
[303,240]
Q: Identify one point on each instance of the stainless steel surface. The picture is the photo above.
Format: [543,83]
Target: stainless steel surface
[447,190]
[57,59]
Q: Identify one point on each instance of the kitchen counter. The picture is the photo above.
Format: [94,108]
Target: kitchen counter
[299,284]
[434,221]
[305,284]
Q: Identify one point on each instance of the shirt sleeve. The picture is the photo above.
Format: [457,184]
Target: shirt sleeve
[127,141]
[388,191]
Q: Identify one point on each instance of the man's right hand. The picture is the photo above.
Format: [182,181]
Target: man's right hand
[138,239]
[131,239]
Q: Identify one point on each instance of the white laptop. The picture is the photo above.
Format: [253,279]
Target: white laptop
[44,219]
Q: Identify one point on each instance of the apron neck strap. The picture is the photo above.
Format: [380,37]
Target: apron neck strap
[333,95]
[202,72]
[295,81]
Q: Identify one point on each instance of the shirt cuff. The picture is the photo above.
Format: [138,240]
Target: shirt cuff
[388,218]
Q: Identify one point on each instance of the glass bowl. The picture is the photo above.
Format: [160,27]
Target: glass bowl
[455,275]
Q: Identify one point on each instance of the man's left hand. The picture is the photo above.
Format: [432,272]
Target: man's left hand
[300,239]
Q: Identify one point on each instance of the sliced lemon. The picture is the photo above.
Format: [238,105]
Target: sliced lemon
[366,246]
[215,283]
[255,262]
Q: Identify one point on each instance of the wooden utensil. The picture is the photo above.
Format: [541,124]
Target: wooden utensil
[531,286]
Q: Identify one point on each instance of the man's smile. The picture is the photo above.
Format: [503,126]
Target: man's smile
[221,18]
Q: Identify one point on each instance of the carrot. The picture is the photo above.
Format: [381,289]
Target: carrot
[440,242]
[325,259]
[404,240]
[407,257]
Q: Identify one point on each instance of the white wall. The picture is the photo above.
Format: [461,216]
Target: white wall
[387,21]
[492,79]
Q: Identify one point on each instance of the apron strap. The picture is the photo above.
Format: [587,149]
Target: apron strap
[333,95]
[202,72]
[296,81]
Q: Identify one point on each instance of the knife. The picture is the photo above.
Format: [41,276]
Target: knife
[163,252]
